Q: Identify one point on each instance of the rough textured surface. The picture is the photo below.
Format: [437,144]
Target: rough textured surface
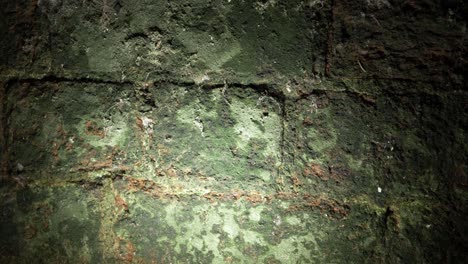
[233,131]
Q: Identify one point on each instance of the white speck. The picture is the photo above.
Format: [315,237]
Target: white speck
[147,122]
[379,190]
[428,226]
[19,167]
[199,124]
[205,78]
[277,221]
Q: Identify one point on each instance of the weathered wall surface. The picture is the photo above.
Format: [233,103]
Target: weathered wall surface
[233,131]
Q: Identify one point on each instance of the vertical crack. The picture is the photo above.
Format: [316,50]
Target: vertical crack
[4,144]
[330,40]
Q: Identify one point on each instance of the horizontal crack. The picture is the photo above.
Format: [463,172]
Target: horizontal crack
[56,79]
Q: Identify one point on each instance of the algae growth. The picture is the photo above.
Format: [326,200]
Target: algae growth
[232,131]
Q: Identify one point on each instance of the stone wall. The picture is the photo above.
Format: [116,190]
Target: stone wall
[235,131]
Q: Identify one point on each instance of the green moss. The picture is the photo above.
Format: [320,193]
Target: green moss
[268,37]
[207,132]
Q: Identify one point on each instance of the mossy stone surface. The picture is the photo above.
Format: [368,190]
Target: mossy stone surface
[236,131]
